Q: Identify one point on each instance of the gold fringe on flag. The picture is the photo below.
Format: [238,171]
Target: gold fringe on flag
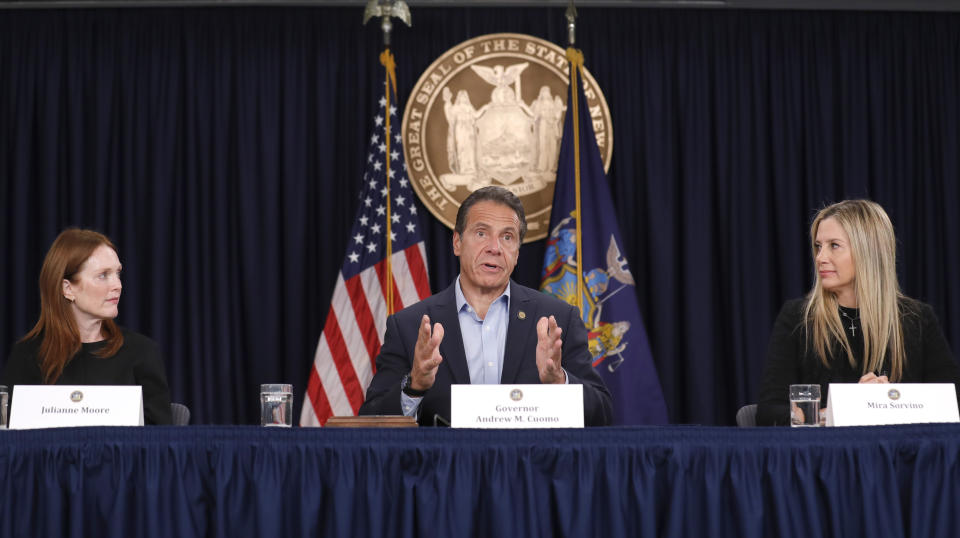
[575,57]
[386,59]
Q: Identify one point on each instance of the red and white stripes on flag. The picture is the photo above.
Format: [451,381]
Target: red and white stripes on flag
[344,362]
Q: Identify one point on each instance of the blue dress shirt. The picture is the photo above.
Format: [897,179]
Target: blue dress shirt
[484,341]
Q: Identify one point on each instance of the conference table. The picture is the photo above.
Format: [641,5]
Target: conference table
[623,481]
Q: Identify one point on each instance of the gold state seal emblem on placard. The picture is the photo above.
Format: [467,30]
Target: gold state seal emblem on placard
[490,111]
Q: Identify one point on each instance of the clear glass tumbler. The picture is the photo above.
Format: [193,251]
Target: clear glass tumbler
[4,398]
[804,405]
[276,405]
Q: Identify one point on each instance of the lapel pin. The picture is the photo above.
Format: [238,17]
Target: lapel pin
[522,315]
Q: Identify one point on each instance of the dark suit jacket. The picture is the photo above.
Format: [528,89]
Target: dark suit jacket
[519,361]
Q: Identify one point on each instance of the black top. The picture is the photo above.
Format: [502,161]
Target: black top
[137,363]
[791,360]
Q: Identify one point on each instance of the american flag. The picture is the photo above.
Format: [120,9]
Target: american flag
[344,362]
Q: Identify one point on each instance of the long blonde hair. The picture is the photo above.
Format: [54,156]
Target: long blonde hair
[873,247]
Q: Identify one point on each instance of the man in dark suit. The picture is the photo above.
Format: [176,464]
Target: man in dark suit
[484,328]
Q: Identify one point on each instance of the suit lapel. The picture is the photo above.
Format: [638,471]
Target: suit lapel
[521,327]
[451,348]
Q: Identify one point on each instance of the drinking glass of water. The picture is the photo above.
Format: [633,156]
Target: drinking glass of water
[804,405]
[276,405]
[4,395]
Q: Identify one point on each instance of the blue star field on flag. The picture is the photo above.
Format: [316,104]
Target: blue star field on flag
[368,235]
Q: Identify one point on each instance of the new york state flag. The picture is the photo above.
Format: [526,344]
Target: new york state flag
[618,340]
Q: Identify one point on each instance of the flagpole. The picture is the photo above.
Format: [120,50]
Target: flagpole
[386,9]
[575,57]
[386,58]
[345,353]
[583,205]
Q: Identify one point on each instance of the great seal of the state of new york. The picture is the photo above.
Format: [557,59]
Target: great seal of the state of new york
[490,111]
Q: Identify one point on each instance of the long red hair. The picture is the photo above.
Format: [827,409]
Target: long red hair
[57,325]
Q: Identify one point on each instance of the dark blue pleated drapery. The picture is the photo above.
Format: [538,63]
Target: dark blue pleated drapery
[639,482]
[222,150]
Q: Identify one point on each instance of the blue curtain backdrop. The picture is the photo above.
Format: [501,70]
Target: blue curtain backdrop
[222,149]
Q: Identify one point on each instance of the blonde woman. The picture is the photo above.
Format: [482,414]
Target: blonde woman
[854,325]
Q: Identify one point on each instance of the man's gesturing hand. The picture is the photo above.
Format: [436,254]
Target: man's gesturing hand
[549,345]
[426,356]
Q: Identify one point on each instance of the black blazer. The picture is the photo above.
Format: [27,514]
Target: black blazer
[790,360]
[519,362]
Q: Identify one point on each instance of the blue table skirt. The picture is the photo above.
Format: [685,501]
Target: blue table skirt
[669,481]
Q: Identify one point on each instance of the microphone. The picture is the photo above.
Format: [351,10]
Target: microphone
[440,421]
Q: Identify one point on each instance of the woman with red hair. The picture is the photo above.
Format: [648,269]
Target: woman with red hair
[76,341]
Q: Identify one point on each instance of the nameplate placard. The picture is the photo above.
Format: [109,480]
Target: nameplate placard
[58,406]
[876,404]
[516,406]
